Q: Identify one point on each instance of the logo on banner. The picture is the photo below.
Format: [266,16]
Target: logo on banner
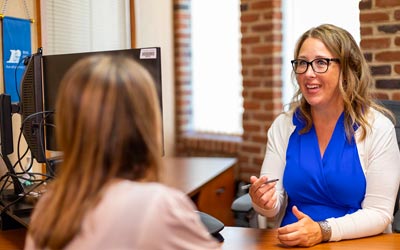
[15,56]
[16,46]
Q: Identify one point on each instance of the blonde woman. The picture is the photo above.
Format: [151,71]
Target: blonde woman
[335,152]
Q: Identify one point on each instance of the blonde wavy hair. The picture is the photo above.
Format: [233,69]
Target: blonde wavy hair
[356,79]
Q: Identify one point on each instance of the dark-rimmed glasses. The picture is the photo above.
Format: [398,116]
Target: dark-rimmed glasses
[318,65]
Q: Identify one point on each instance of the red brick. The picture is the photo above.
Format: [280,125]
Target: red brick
[272,60]
[181,16]
[387,3]
[388,56]
[262,27]
[373,17]
[262,49]
[391,83]
[397,41]
[272,15]
[396,96]
[273,37]
[249,83]
[365,31]
[397,68]
[261,5]
[397,15]
[262,72]
[262,94]
[365,4]
[259,160]
[389,28]
[249,18]
[262,117]
[381,70]
[251,105]
[250,40]
[250,61]
[380,95]
[378,43]
[251,149]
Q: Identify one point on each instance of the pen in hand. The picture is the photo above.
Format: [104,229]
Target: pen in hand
[269,181]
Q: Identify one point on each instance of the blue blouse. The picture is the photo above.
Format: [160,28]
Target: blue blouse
[322,188]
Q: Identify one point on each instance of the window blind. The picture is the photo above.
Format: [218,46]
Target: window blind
[70,26]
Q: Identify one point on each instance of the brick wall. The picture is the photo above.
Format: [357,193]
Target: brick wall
[380,42]
[182,43]
[261,68]
[262,84]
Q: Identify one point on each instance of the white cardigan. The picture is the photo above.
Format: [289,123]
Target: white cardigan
[380,160]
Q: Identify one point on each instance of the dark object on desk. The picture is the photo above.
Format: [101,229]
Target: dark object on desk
[213,225]
[14,213]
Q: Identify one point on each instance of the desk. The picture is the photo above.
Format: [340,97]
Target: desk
[209,181]
[12,239]
[237,238]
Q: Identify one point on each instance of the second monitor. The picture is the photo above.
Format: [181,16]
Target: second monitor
[55,66]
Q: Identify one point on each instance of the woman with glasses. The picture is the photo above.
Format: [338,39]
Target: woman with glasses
[335,152]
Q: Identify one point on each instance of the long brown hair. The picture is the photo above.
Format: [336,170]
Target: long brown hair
[355,76]
[108,126]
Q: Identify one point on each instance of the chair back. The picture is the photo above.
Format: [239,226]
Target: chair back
[394,106]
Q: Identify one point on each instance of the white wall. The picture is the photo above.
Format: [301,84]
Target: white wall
[154,28]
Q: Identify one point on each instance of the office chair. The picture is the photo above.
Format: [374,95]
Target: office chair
[245,215]
[243,208]
[244,212]
[394,106]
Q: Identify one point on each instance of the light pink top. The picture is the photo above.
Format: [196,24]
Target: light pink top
[140,216]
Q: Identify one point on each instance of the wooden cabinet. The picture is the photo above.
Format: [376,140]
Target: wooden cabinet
[216,197]
[209,181]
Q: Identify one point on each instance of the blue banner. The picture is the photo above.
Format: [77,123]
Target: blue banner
[16,47]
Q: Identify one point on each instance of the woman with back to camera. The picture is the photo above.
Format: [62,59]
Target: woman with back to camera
[335,152]
[106,196]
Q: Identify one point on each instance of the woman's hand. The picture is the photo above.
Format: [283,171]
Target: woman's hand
[263,195]
[305,232]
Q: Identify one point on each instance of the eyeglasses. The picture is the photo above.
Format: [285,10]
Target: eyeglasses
[318,65]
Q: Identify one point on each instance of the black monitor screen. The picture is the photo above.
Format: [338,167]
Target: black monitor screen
[55,66]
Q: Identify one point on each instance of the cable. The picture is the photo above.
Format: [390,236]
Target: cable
[41,136]
[18,151]
[35,114]
[19,198]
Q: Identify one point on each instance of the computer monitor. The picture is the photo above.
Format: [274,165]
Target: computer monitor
[31,107]
[39,89]
[55,66]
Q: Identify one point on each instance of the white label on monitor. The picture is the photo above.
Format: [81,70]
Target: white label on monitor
[150,53]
